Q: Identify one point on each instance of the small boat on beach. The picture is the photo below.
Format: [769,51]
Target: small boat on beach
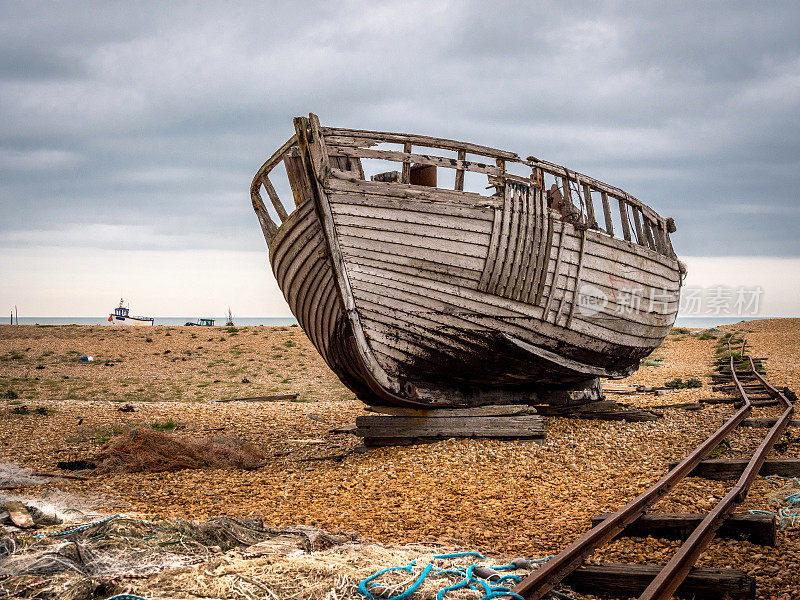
[424,295]
[122,316]
[201,322]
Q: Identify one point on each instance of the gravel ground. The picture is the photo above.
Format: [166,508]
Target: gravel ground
[514,498]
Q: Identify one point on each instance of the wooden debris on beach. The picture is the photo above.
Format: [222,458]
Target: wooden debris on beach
[405,426]
[275,398]
[683,405]
[605,411]
[629,390]
[349,428]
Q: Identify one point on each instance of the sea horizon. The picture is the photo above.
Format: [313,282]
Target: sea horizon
[692,322]
[170,321]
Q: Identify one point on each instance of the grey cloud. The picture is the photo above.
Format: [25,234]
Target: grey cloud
[157,115]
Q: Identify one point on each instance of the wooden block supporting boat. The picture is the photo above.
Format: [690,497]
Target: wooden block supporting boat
[424,297]
[421,426]
[508,410]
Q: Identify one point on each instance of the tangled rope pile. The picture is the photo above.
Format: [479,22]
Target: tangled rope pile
[787,515]
[478,577]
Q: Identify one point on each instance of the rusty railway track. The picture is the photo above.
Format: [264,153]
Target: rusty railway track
[662,587]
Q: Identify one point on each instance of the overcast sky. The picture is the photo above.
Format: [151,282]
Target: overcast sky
[130,132]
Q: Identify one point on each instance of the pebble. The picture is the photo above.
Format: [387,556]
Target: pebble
[514,498]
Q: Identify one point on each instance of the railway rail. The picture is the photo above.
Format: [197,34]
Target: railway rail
[671,575]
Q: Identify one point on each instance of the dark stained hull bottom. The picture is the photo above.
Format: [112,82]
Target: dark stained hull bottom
[446,380]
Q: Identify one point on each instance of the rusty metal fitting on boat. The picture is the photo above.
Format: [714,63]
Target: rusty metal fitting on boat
[410,390]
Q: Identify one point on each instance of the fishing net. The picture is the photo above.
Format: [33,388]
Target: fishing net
[12,475]
[146,450]
[335,573]
[108,555]
[55,508]
[221,558]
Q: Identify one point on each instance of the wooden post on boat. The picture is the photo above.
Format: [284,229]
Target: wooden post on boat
[607,213]
[539,178]
[637,222]
[406,176]
[459,184]
[587,197]
[626,225]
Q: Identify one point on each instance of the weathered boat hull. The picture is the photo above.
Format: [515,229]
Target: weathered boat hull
[418,295]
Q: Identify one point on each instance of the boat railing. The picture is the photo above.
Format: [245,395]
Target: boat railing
[260,180]
[638,222]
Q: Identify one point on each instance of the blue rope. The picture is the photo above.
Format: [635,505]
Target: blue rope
[786,515]
[460,555]
[457,586]
[468,579]
[362,586]
[77,529]
[127,597]
[505,568]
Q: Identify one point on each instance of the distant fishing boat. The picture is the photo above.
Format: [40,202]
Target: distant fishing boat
[122,316]
[425,295]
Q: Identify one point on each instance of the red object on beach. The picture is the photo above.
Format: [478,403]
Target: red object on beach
[110,319]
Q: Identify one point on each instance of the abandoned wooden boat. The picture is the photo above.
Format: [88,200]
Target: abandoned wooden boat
[421,296]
